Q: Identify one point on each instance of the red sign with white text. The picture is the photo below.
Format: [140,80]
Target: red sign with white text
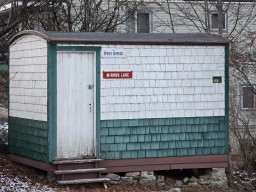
[117,74]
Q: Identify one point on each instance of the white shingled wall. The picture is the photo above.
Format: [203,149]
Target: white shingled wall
[168,82]
[28,74]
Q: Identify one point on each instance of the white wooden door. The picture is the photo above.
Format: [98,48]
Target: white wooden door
[76,132]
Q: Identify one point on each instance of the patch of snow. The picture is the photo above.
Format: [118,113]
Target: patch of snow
[245,178]
[4,125]
[4,133]
[2,109]
[21,185]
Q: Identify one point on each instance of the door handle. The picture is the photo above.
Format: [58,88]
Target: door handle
[90,107]
[90,86]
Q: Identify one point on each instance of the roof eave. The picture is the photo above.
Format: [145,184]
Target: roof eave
[130,42]
[56,40]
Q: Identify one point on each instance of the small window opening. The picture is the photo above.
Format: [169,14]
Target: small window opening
[214,21]
[248,98]
[217,79]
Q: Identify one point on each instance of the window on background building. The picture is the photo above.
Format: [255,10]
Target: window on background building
[214,21]
[248,98]
[142,22]
[138,22]
[131,22]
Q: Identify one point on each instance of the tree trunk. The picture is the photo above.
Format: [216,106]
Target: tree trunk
[220,16]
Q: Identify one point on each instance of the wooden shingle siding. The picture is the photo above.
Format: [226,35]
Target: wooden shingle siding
[28,74]
[145,138]
[168,82]
[28,138]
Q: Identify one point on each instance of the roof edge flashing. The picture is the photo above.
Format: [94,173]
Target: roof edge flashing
[63,41]
[30,32]
[127,38]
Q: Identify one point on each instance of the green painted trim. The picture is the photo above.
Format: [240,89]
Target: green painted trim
[52,100]
[79,48]
[4,67]
[28,138]
[227,97]
[98,127]
[54,81]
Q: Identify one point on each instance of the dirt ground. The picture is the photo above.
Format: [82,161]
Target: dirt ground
[16,177]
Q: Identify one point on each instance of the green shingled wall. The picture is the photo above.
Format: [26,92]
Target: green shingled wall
[144,138]
[28,138]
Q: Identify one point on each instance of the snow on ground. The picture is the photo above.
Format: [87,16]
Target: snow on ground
[4,133]
[14,178]
[16,184]
[245,178]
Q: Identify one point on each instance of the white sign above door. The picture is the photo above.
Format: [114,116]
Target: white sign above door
[112,52]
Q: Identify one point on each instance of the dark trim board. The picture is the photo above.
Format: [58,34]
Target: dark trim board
[167,163]
[32,163]
[152,164]
[51,100]
[227,97]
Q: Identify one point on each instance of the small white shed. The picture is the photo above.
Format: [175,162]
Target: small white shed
[135,101]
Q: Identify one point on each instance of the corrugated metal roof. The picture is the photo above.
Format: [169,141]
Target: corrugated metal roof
[128,38]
